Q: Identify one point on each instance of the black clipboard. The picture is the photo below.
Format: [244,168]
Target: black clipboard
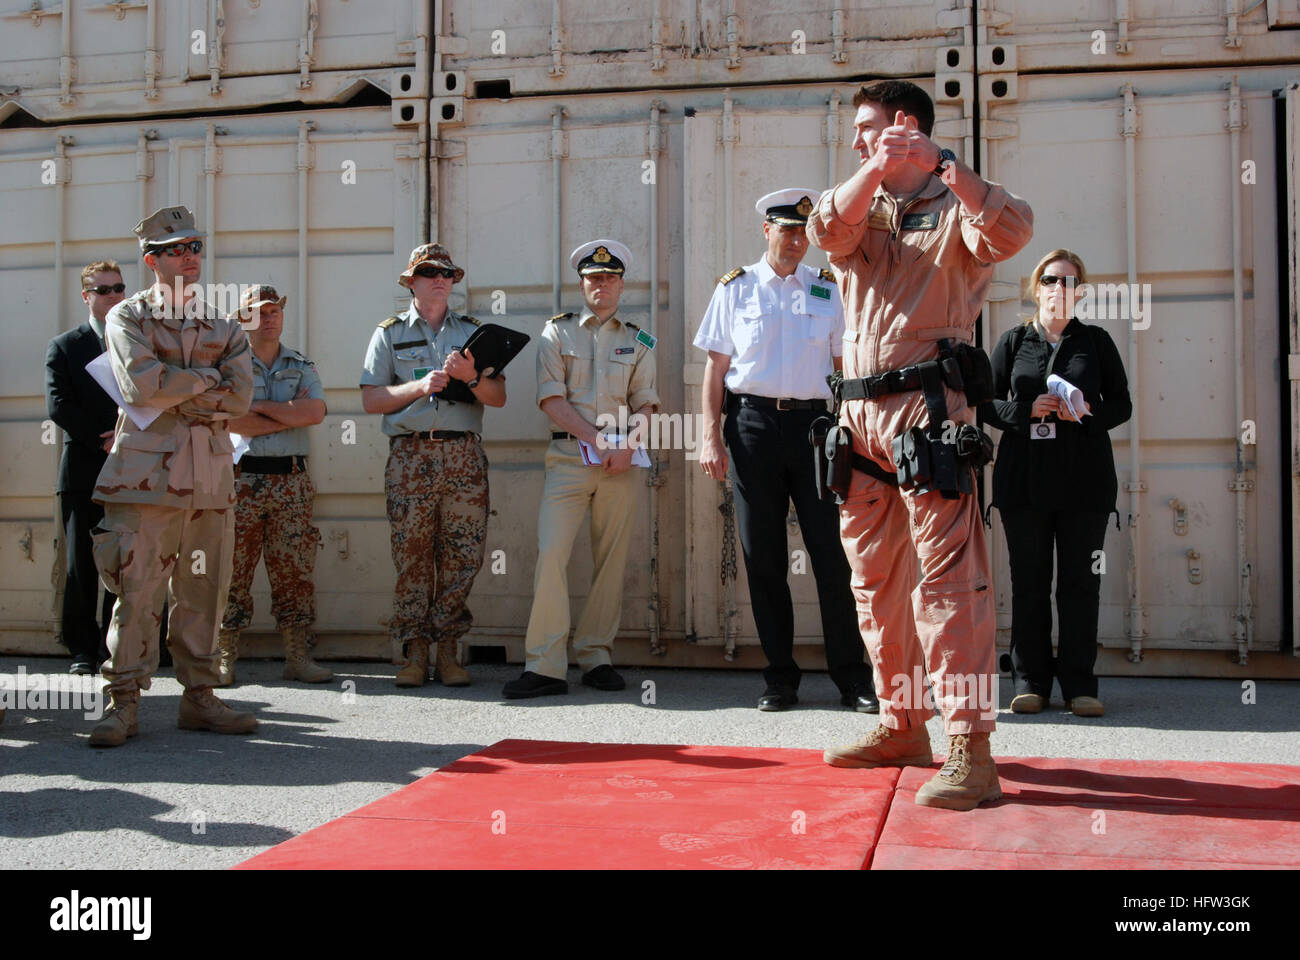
[493,347]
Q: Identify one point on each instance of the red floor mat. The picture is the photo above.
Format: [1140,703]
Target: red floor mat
[532,804]
[1105,815]
[523,804]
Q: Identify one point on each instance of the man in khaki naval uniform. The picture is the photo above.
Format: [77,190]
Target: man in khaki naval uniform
[168,489]
[436,481]
[274,493]
[588,366]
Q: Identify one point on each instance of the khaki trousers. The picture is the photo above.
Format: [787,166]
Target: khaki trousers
[571,488]
[144,552]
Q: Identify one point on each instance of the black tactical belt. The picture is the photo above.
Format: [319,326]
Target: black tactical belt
[436,435]
[561,435]
[892,381]
[249,464]
[872,469]
[783,403]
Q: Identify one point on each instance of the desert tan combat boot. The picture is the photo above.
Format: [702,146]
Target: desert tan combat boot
[119,720]
[451,673]
[201,710]
[417,665]
[228,645]
[884,747]
[968,779]
[298,664]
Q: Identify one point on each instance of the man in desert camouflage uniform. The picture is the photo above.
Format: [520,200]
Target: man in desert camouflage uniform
[436,480]
[168,489]
[274,492]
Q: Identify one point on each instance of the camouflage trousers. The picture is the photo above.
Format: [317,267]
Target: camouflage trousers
[437,494]
[273,520]
[144,552]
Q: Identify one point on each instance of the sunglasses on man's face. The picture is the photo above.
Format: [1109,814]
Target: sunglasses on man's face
[1047,279]
[180,249]
[101,290]
[431,272]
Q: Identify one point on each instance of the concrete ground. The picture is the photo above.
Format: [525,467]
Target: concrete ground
[172,798]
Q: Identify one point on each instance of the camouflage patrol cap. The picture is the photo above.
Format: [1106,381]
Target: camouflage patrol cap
[165,226]
[431,253]
[256,297]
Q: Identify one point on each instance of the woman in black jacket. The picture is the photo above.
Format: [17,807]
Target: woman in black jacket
[1054,483]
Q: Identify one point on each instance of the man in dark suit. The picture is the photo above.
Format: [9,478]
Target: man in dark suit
[86,415]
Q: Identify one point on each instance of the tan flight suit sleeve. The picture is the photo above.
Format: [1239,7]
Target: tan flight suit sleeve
[1000,229]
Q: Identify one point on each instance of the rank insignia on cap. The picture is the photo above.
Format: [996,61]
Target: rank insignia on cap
[646,339]
[601,255]
[788,207]
[804,207]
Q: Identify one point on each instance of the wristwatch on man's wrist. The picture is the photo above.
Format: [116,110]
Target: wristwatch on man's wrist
[945,157]
[474,383]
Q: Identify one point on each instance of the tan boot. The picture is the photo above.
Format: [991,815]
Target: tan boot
[884,747]
[228,645]
[201,710]
[968,779]
[119,720]
[298,664]
[417,665]
[451,673]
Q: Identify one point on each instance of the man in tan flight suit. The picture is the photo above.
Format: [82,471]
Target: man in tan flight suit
[588,366]
[168,488]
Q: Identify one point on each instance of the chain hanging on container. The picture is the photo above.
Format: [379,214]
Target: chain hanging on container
[728,567]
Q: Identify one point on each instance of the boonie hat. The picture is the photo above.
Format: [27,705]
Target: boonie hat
[434,253]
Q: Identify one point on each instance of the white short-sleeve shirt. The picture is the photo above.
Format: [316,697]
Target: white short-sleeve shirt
[780,332]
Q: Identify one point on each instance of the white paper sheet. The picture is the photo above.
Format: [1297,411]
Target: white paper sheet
[1068,394]
[593,455]
[101,369]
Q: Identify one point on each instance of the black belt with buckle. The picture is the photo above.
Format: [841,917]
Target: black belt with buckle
[782,403]
[436,435]
[293,464]
[892,381]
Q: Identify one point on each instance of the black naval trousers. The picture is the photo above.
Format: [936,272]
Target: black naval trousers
[1031,533]
[771,465]
[84,638]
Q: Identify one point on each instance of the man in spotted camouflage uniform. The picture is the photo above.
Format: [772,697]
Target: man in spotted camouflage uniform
[168,489]
[274,493]
[436,480]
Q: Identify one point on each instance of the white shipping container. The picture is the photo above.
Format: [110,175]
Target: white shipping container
[642,44]
[82,59]
[1086,160]
[1031,36]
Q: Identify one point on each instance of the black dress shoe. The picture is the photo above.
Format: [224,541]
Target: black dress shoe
[81,667]
[777,698]
[863,701]
[603,677]
[533,685]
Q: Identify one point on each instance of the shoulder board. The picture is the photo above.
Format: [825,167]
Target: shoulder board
[470,320]
[629,323]
[560,316]
[826,275]
[385,324]
[726,278]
